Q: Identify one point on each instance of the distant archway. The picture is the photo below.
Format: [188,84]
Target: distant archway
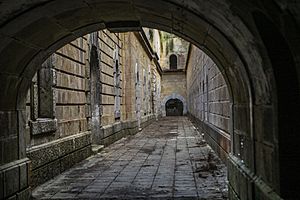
[170,97]
[173,61]
[174,107]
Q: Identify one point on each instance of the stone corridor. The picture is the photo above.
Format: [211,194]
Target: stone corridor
[166,160]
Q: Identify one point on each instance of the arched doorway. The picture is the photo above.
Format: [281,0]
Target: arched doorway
[174,107]
[173,61]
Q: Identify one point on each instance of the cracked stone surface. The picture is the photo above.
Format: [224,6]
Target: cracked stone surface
[166,160]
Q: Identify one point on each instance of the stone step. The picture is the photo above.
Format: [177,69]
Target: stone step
[97,148]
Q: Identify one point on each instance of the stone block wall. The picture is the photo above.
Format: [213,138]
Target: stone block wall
[142,82]
[84,94]
[57,132]
[14,180]
[110,44]
[166,44]
[208,100]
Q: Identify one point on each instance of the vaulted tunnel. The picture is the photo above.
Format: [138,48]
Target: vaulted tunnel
[264,126]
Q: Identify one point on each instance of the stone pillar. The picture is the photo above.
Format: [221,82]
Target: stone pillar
[95,88]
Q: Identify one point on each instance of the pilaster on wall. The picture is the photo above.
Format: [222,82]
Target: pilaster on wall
[95,86]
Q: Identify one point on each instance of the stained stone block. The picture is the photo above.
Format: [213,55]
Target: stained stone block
[117,127]
[66,147]
[80,155]
[24,195]
[1,185]
[245,186]
[39,176]
[23,176]
[8,125]
[38,158]
[11,181]
[266,154]
[82,141]
[97,137]
[10,151]
[233,176]
[107,131]
[43,125]
[241,118]
[66,162]
[54,168]
[263,123]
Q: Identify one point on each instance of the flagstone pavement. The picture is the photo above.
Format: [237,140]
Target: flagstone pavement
[166,160]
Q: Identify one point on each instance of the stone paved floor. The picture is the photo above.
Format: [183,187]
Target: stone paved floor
[166,160]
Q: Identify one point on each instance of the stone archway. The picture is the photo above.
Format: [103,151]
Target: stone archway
[173,96]
[32,30]
[174,107]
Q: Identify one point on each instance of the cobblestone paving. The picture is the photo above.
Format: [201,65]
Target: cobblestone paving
[166,160]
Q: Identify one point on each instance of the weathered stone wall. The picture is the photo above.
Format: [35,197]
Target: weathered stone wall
[173,85]
[142,84]
[57,132]
[136,97]
[166,44]
[110,43]
[79,98]
[208,100]
[108,122]
[173,45]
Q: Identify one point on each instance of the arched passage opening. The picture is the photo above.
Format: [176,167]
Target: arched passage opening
[170,97]
[173,61]
[174,107]
[31,31]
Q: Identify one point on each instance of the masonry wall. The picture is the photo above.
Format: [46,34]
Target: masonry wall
[208,100]
[166,44]
[109,43]
[135,91]
[57,132]
[106,87]
[142,81]
[91,92]
[173,45]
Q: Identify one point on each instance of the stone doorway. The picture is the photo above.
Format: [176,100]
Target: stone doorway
[174,107]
